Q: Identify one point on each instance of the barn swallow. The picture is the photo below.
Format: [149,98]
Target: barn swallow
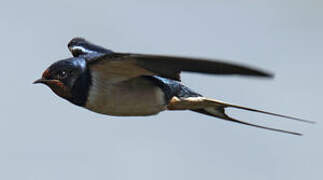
[127,84]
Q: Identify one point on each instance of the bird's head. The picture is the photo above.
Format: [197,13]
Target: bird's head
[66,78]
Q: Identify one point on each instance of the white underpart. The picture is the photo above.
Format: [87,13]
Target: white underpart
[136,97]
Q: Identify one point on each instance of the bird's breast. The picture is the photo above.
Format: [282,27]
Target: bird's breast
[134,97]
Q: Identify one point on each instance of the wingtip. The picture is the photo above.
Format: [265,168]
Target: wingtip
[270,75]
[78,38]
[295,133]
[266,74]
[310,122]
[75,40]
[258,73]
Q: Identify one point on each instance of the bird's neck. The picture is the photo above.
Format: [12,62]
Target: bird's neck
[80,90]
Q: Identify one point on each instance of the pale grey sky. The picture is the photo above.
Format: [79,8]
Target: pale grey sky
[45,137]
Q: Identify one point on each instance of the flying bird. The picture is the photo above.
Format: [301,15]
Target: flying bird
[128,84]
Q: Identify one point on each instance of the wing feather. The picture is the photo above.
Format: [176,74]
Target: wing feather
[170,66]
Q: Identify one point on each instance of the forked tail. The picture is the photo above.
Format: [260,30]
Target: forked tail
[217,108]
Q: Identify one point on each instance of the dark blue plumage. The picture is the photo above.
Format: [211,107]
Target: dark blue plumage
[79,46]
[80,90]
[172,88]
[77,81]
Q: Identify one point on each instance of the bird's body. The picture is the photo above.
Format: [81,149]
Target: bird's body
[121,98]
[124,84]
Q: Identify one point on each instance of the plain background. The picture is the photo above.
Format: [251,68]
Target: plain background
[45,137]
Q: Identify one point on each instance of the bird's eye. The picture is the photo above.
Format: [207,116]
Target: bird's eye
[61,74]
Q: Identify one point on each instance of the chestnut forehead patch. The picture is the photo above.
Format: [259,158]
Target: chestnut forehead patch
[46,74]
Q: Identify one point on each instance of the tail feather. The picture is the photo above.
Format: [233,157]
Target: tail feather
[225,105]
[217,108]
[228,118]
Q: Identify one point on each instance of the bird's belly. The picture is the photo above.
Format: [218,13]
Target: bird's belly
[131,98]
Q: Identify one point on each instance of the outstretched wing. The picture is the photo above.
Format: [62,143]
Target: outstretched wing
[133,65]
[169,66]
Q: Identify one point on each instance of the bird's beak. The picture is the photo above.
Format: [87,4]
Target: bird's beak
[41,80]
